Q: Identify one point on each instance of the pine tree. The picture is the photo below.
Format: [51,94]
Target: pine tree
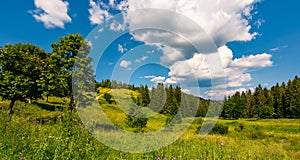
[158,98]
[277,101]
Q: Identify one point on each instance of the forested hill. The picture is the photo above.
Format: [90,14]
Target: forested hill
[281,101]
[165,99]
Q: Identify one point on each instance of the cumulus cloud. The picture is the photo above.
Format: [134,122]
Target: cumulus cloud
[155,79]
[52,13]
[171,81]
[253,61]
[164,80]
[98,12]
[235,70]
[185,31]
[117,26]
[125,64]
[223,20]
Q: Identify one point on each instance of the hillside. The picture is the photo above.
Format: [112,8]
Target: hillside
[46,130]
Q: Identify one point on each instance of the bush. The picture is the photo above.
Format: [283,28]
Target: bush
[256,133]
[220,129]
[217,128]
[239,127]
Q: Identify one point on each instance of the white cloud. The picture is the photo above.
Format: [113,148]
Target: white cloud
[259,22]
[52,13]
[194,67]
[98,12]
[125,64]
[219,94]
[253,61]
[164,80]
[158,79]
[235,70]
[223,20]
[117,26]
[278,48]
[112,3]
[220,21]
[274,49]
[121,49]
[142,59]
[149,77]
[171,81]
[187,91]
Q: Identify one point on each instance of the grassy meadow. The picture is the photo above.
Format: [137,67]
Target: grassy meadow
[47,130]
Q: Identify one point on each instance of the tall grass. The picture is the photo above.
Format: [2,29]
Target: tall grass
[38,131]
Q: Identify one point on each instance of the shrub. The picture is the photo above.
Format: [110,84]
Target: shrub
[256,133]
[240,127]
[217,128]
[220,129]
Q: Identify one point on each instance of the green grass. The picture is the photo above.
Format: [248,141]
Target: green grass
[48,131]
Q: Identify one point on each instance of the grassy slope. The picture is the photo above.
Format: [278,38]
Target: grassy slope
[48,131]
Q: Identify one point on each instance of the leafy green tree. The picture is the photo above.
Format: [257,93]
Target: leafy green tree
[20,72]
[65,52]
[50,84]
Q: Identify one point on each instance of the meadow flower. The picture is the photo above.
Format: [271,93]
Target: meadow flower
[221,144]
[22,158]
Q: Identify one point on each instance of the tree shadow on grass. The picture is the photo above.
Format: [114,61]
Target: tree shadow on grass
[50,107]
[106,127]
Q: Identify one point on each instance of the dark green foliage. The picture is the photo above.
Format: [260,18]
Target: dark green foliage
[256,133]
[136,118]
[216,128]
[278,102]
[144,97]
[21,67]
[220,129]
[158,98]
[70,56]
[108,97]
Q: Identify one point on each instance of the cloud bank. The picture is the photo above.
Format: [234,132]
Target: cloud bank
[219,21]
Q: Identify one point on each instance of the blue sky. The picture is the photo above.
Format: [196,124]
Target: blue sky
[265,54]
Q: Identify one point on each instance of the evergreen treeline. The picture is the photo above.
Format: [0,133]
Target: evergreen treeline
[281,101]
[167,100]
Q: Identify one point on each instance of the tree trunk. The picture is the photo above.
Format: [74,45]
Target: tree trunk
[71,104]
[11,105]
[47,98]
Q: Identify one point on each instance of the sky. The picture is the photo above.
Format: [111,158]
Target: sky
[209,48]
